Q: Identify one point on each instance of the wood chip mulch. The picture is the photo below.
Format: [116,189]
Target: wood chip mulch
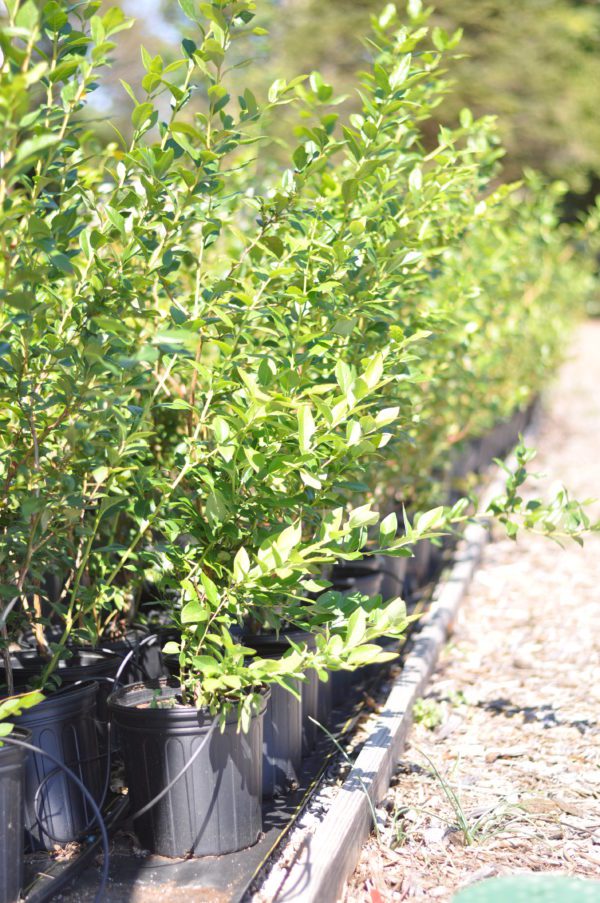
[501,773]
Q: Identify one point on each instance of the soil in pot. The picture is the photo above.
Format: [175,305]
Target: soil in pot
[12,778]
[64,724]
[214,805]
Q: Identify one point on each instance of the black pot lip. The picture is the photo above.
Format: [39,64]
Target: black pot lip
[127,641]
[31,661]
[65,700]
[277,644]
[18,752]
[101,664]
[181,716]
[368,564]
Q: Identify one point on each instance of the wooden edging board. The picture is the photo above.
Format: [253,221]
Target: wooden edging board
[328,857]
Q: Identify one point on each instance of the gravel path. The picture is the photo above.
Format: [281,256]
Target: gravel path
[511,720]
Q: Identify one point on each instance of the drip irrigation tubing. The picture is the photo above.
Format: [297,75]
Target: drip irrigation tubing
[92,802]
[38,800]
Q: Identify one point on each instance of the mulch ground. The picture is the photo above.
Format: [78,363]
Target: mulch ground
[501,773]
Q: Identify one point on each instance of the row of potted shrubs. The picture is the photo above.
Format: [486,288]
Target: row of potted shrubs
[227,379]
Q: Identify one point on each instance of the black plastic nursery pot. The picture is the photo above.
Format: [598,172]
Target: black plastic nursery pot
[418,570]
[310,710]
[309,691]
[283,718]
[393,571]
[382,575]
[145,662]
[214,775]
[12,778]
[362,576]
[502,438]
[65,725]
[83,665]
[324,703]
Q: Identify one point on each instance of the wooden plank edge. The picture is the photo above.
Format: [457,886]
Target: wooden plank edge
[328,857]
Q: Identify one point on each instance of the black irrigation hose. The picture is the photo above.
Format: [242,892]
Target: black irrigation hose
[38,801]
[97,814]
[153,638]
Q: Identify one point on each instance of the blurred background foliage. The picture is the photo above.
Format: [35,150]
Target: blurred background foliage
[533,63]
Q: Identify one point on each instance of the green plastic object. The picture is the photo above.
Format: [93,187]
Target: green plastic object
[531,889]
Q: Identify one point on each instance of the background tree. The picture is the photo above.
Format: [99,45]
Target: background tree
[534,63]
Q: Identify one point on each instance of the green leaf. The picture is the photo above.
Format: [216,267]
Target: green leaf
[142,114]
[220,429]
[216,509]
[189,8]
[32,148]
[14,705]
[357,625]
[309,480]
[344,376]
[415,179]
[374,371]
[206,664]
[241,565]
[194,613]
[388,528]
[28,15]
[353,433]
[362,516]
[276,89]
[212,593]
[400,73]
[54,16]
[440,38]
[430,520]
[350,190]
[386,416]
[306,428]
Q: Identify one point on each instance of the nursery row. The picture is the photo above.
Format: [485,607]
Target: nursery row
[181,770]
[230,391]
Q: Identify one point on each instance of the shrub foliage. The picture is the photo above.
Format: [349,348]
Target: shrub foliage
[223,376]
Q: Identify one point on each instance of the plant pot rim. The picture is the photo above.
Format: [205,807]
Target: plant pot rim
[24,656]
[277,643]
[121,701]
[19,733]
[64,701]
[130,634]
[28,664]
